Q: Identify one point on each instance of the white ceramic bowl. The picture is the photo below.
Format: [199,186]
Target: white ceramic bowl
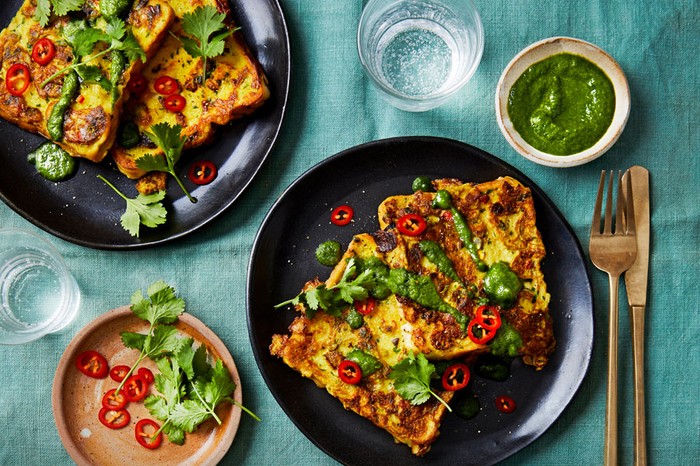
[538,52]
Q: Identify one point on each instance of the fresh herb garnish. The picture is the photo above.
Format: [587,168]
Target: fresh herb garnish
[118,37]
[144,209]
[190,388]
[60,7]
[412,377]
[168,139]
[209,30]
[351,287]
[161,308]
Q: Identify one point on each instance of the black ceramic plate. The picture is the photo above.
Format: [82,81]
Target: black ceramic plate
[283,259]
[85,211]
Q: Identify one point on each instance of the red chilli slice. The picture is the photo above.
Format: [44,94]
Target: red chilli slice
[505,404]
[342,215]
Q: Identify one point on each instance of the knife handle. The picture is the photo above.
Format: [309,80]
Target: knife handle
[640,436]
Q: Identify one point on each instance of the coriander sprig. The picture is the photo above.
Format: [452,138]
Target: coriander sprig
[144,209]
[411,378]
[116,36]
[209,30]
[169,140]
[189,387]
[350,288]
[161,308]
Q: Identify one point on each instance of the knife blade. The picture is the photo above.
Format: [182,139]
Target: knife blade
[636,280]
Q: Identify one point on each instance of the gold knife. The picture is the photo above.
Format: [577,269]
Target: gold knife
[636,279]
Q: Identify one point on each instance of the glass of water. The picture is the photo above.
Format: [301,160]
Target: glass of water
[419,53]
[38,294]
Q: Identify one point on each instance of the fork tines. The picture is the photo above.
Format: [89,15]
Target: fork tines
[624,212]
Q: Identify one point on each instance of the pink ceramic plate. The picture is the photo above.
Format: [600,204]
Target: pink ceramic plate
[77,400]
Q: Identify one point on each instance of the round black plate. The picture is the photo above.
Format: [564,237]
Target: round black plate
[85,211]
[283,259]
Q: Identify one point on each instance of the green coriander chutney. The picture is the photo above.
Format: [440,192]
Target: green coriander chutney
[562,105]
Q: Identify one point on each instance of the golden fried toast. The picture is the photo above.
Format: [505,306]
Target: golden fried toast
[235,86]
[501,217]
[91,119]
[315,348]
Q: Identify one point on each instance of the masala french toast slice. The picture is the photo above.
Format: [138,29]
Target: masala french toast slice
[235,86]
[433,333]
[315,347]
[501,217]
[90,121]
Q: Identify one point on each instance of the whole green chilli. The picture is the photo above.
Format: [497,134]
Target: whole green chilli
[54,125]
[116,71]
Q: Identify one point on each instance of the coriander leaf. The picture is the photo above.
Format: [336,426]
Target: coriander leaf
[334,300]
[189,414]
[169,381]
[164,340]
[175,434]
[208,27]
[162,305]
[169,140]
[84,41]
[352,292]
[142,210]
[60,7]
[157,406]
[199,362]
[312,297]
[219,388]
[94,74]
[193,362]
[147,208]
[43,12]
[133,340]
[411,378]
[208,393]
[185,357]
[115,31]
[132,49]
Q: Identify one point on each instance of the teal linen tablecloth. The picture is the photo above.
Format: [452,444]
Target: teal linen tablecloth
[333,107]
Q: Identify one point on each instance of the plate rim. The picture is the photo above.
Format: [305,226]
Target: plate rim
[122,312]
[136,244]
[462,146]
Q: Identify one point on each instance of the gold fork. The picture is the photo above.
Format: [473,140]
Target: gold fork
[613,250]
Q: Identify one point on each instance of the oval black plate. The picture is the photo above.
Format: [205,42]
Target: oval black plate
[283,259]
[85,211]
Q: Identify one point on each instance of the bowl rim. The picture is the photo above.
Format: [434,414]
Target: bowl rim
[545,48]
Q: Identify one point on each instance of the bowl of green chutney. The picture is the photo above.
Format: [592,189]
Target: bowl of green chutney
[562,102]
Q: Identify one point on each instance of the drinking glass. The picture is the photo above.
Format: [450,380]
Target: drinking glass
[419,53]
[38,294]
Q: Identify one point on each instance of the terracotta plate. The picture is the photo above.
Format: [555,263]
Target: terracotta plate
[77,399]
